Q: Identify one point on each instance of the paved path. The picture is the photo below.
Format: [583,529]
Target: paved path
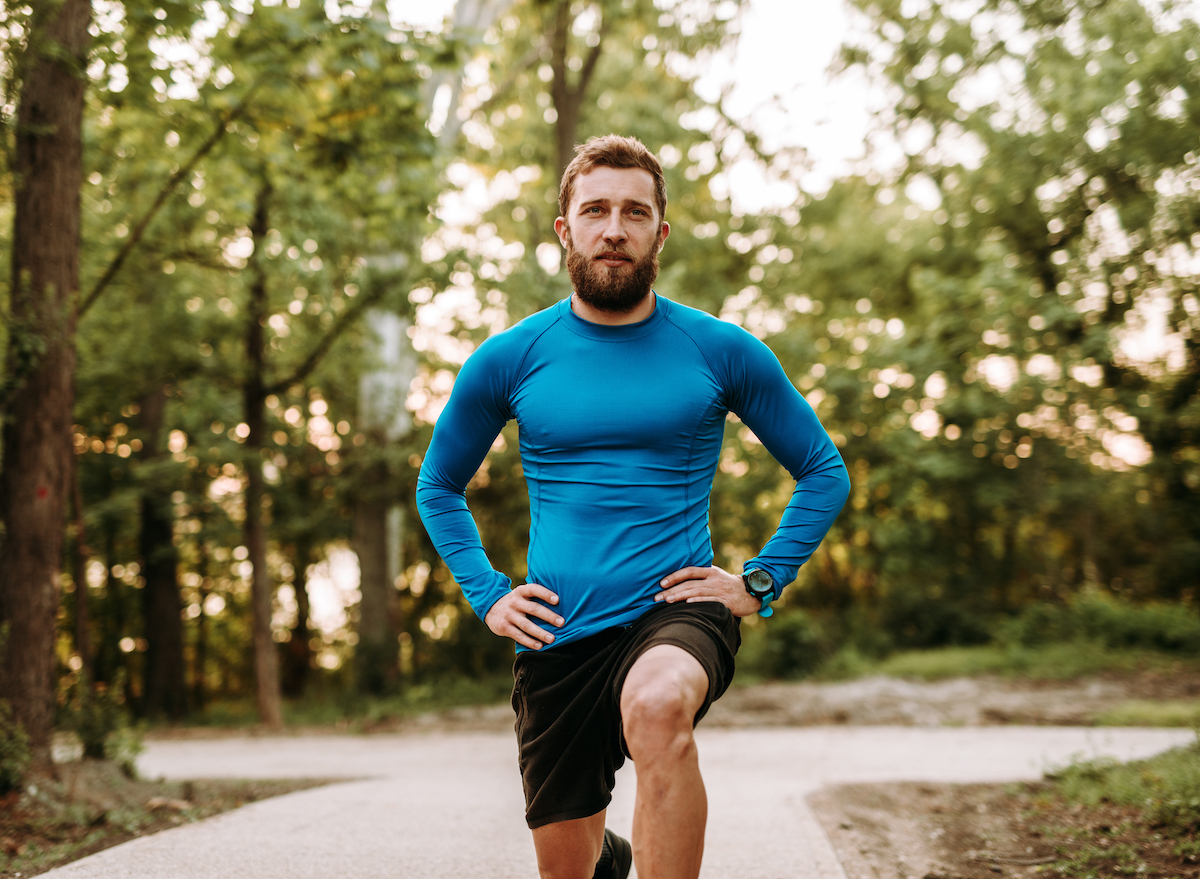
[449,806]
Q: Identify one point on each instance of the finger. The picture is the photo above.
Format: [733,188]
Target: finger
[515,626]
[529,627]
[684,590]
[532,608]
[523,639]
[536,590]
[690,573]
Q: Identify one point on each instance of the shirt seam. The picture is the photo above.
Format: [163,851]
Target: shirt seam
[715,403]
[532,486]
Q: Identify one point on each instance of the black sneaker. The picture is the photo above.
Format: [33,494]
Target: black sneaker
[616,857]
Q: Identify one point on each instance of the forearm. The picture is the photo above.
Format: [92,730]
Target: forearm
[453,532]
[814,505]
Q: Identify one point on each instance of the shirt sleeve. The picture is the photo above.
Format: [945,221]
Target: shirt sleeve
[477,410]
[761,395]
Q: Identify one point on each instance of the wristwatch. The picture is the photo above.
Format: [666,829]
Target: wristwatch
[760,584]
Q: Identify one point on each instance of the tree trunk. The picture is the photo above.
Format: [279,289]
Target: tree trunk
[83,637]
[378,519]
[299,651]
[266,656]
[200,645]
[164,692]
[568,99]
[377,654]
[47,173]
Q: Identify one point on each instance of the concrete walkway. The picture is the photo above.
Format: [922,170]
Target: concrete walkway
[449,806]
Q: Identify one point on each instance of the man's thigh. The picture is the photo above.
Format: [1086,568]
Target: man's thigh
[567,699]
[665,678]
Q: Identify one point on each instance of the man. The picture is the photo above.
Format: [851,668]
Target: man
[625,630]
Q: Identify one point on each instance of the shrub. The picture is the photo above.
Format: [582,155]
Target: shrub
[14,750]
[96,715]
[1172,628]
[790,645]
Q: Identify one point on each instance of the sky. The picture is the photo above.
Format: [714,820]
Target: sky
[781,85]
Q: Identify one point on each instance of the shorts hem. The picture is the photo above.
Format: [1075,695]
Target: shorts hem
[569,815]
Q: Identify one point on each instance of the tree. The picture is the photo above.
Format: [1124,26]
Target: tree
[302,156]
[47,168]
[971,353]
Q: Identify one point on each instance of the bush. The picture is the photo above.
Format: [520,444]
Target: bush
[917,621]
[14,750]
[790,645]
[1171,628]
[96,715]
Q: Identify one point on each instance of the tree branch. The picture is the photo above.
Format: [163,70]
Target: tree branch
[135,237]
[322,348]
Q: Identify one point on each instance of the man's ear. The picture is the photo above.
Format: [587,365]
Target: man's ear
[665,231]
[562,231]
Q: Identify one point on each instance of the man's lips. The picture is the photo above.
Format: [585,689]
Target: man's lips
[614,258]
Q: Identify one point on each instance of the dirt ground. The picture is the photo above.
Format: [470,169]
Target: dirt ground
[88,805]
[985,831]
[977,701]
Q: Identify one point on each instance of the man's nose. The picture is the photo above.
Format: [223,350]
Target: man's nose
[614,229]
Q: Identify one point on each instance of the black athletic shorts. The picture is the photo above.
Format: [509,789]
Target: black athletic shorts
[568,702]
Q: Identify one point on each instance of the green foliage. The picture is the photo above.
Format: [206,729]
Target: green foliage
[14,750]
[97,715]
[1044,662]
[14,741]
[790,645]
[1166,787]
[344,705]
[957,322]
[1108,621]
[1159,712]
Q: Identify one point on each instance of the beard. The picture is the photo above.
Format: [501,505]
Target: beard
[617,290]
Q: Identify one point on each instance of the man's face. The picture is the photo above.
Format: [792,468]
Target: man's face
[612,235]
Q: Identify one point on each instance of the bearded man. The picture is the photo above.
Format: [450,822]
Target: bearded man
[625,630]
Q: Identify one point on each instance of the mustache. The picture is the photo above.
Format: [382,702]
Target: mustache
[614,253]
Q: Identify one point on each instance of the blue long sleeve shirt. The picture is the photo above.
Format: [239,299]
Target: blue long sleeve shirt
[620,431]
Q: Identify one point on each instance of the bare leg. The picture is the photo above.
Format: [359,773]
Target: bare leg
[569,849]
[660,697]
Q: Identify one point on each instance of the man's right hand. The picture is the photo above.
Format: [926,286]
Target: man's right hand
[510,617]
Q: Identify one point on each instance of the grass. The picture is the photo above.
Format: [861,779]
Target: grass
[1147,712]
[358,712]
[1050,662]
[1107,819]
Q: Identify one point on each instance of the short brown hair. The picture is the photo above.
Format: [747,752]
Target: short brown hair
[613,151]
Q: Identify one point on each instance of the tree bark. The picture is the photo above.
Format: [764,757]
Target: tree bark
[266,656]
[200,645]
[568,99]
[164,692]
[377,654]
[299,651]
[47,175]
[378,518]
[83,623]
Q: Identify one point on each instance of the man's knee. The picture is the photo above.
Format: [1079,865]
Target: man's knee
[659,700]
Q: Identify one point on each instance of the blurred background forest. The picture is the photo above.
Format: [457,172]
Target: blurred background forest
[300,217]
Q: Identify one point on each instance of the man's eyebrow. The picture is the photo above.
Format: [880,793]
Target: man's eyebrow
[601,200]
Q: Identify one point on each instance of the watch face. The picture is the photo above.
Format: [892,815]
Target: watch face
[760,582]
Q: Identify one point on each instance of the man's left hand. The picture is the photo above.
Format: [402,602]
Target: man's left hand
[709,584]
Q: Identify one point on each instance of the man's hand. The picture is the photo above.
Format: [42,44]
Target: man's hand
[709,584]
[510,616]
